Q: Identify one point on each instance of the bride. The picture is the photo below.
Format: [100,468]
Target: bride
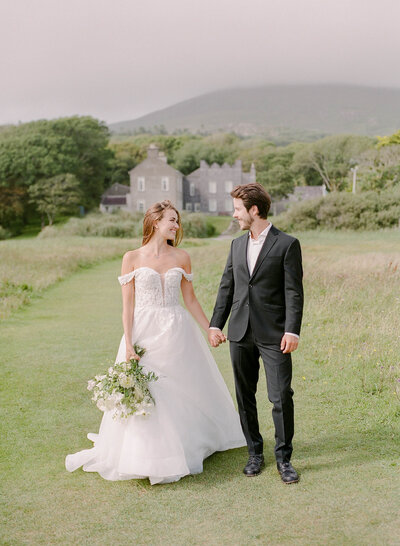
[193,414]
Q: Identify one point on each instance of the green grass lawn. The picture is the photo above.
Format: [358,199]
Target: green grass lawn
[347,411]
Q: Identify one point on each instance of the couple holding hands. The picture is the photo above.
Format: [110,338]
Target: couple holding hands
[261,290]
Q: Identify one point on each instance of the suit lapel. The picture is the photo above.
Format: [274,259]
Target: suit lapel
[244,241]
[268,244]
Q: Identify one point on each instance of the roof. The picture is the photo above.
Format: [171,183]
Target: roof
[113,200]
[117,189]
[151,162]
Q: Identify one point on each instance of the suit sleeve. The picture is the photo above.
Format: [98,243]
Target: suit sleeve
[223,302]
[294,298]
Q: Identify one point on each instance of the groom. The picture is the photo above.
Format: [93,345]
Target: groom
[262,289]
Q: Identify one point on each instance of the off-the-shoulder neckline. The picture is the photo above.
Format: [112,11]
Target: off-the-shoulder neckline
[157,272]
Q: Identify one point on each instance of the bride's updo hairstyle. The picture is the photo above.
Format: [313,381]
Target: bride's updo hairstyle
[153,215]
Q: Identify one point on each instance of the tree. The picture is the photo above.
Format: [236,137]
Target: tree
[389,140]
[219,148]
[380,167]
[56,195]
[12,204]
[331,158]
[43,149]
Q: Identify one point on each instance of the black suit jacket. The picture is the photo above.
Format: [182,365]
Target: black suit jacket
[271,298]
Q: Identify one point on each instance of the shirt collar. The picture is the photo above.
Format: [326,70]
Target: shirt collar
[262,236]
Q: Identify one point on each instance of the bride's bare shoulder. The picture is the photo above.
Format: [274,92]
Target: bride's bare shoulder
[129,260]
[183,258]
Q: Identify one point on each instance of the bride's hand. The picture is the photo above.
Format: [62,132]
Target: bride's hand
[130,353]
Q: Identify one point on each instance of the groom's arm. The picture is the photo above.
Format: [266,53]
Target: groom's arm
[223,302]
[293,272]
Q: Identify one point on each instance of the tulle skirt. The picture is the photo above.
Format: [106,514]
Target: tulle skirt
[193,416]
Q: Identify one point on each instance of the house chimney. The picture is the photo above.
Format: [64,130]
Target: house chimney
[152,151]
[252,173]
[162,157]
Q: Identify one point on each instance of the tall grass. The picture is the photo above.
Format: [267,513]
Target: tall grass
[29,266]
[346,374]
[126,225]
[347,412]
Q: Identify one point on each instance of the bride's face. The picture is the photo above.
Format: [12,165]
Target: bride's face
[168,225]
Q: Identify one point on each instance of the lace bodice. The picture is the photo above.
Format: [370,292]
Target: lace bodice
[155,289]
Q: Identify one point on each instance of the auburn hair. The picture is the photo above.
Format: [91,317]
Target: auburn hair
[253,194]
[153,215]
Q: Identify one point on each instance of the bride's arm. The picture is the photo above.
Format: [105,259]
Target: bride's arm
[128,298]
[189,297]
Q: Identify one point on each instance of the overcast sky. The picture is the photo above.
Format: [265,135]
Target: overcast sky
[119,59]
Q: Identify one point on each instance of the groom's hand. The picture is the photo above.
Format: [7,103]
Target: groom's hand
[215,337]
[289,343]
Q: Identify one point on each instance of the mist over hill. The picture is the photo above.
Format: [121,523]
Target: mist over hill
[281,113]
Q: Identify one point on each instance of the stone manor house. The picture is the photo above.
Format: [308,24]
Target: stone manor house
[207,189]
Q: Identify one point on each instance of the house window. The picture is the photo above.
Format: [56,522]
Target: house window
[179,184]
[165,183]
[192,189]
[212,205]
[140,183]
[189,206]
[212,187]
[141,205]
[228,186]
[197,207]
[228,205]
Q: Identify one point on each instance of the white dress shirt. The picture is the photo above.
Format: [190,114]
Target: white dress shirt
[254,247]
[253,250]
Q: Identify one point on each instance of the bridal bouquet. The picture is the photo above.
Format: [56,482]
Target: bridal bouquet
[124,388]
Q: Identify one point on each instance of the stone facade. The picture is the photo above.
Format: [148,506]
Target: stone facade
[206,189]
[115,198]
[154,180]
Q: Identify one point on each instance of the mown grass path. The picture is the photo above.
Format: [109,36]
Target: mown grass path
[346,442]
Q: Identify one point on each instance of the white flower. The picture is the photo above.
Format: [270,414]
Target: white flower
[101,405]
[117,397]
[110,370]
[138,391]
[91,385]
[109,403]
[125,380]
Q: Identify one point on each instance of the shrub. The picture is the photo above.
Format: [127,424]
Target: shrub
[118,224]
[196,225]
[125,225]
[4,234]
[340,210]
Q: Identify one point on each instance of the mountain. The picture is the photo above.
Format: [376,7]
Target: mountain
[280,112]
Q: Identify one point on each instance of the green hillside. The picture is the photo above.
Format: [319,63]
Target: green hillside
[300,112]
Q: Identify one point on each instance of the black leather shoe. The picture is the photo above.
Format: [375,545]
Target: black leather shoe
[287,472]
[254,465]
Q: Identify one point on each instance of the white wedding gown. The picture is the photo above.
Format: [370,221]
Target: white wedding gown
[193,416]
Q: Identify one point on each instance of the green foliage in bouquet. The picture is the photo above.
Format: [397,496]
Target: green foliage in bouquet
[124,389]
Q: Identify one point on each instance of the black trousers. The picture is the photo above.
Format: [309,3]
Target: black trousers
[245,356]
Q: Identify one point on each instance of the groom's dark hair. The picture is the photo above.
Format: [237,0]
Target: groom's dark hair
[253,194]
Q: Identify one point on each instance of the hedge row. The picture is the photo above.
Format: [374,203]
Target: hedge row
[124,225]
[364,211]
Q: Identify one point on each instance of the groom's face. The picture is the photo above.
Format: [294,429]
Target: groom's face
[241,214]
